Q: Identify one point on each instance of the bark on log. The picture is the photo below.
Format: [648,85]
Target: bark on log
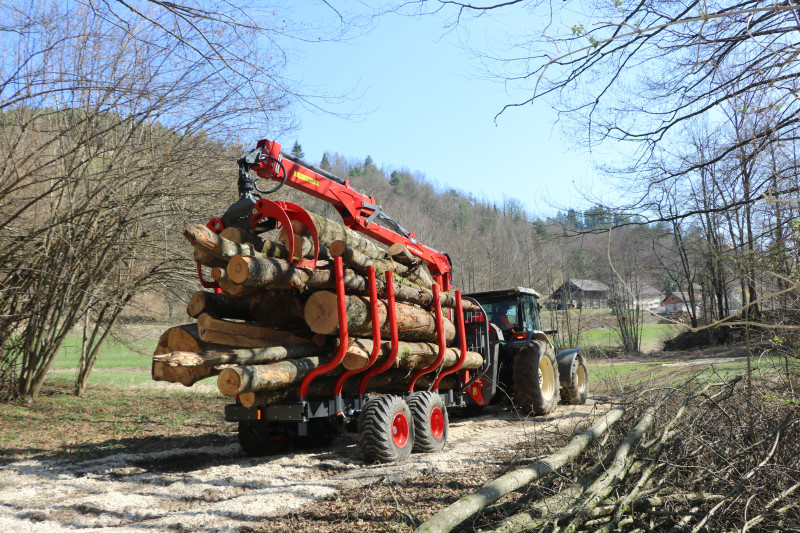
[241,335]
[278,309]
[184,338]
[447,519]
[252,378]
[185,375]
[233,291]
[242,356]
[217,305]
[270,272]
[202,237]
[209,259]
[240,236]
[413,323]
[410,355]
[360,263]
[330,231]
[304,247]
[388,382]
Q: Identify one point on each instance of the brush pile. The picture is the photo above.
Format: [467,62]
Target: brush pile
[273,321]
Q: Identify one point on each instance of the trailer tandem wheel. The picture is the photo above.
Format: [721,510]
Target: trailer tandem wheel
[385,430]
[430,421]
[258,438]
[536,378]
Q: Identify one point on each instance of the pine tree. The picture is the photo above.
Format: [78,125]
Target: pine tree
[325,164]
[297,150]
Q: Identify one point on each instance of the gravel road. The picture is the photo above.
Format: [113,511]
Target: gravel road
[218,489]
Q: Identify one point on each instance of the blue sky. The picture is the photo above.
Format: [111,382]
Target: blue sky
[426,111]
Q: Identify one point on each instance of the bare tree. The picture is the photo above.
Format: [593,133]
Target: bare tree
[112,117]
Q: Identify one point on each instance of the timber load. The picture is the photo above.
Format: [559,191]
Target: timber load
[273,318]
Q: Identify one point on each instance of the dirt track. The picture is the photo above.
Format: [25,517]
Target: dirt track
[219,489]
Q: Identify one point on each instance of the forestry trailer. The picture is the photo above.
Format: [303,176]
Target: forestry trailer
[395,346]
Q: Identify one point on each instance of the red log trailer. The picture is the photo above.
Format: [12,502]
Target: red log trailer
[519,362]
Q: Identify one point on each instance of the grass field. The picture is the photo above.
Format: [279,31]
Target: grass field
[653,336]
[120,363]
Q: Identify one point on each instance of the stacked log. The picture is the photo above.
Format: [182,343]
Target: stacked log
[274,322]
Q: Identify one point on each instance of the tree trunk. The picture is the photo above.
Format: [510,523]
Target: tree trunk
[360,263]
[392,381]
[242,356]
[252,378]
[410,355]
[329,231]
[242,335]
[267,272]
[185,375]
[413,323]
[217,305]
[209,259]
[202,237]
[449,518]
[278,309]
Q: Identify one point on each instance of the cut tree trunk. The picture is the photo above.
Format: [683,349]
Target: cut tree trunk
[271,273]
[304,246]
[209,259]
[330,231]
[217,305]
[233,291]
[278,309]
[240,236]
[413,323]
[202,237]
[388,382]
[241,335]
[252,378]
[180,338]
[243,356]
[360,263]
[410,355]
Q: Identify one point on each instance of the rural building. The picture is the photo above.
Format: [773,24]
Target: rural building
[678,302]
[581,293]
[649,297]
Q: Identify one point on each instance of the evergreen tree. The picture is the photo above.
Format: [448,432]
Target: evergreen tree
[396,181]
[297,150]
[325,164]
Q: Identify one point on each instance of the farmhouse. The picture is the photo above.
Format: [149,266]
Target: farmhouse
[581,293]
[678,302]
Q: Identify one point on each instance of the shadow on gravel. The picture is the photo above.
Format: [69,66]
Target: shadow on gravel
[133,445]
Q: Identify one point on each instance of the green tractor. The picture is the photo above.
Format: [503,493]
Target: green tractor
[524,367]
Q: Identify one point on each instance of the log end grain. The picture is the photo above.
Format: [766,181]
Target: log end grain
[239,268]
[320,312]
[229,382]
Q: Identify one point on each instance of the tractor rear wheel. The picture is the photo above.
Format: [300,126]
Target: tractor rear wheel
[385,430]
[259,438]
[578,389]
[536,378]
[430,421]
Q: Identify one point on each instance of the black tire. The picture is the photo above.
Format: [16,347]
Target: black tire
[385,430]
[430,422]
[259,438]
[577,390]
[536,379]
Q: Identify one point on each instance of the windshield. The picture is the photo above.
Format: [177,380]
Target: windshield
[503,313]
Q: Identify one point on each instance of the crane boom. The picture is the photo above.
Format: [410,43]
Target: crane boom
[358,211]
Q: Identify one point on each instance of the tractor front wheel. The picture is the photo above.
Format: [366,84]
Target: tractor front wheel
[577,390]
[536,378]
[430,421]
[385,430]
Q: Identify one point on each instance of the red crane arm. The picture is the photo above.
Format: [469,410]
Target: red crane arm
[358,211]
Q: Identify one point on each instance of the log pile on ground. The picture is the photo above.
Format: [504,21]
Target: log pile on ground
[696,456]
[274,322]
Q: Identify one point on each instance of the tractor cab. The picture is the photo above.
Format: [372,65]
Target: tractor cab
[515,311]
